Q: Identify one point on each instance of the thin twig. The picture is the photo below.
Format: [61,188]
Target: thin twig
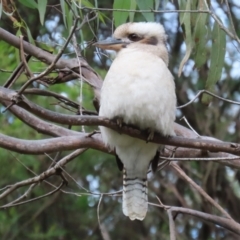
[5,71]
[52,185]
[211,94]
[15,74]
[231,20]
[78,54]
[22,196]
[226,30]
[61,98]
[199,189]
[86,19]
[103,230]
[49,172]
[33,199]
[22,56]
[226,223]
[51,66]
[98,216]
[80,186]
[54,162]
[200,159]
[186,121]
[140,11]
[43,175]
[171,225]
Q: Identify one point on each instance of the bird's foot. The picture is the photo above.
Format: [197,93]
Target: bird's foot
[119,121]
[150,135]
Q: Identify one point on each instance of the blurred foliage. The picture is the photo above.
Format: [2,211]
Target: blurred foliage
[201,56]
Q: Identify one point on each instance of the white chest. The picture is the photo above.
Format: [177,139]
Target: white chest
[140,89]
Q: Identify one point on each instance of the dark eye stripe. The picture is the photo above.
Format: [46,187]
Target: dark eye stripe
[152,41]
[134,37]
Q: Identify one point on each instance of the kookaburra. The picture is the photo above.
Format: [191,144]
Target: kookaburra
[138,90]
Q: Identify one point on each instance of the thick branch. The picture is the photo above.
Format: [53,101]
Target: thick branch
[203,143]
[38,124]
[51,145]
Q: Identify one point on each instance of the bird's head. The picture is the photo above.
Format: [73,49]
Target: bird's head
[148,36]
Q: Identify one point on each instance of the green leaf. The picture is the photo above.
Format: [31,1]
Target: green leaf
[217,60]
[132,7]
[146,5]
[157,3]
[119,16]
[62,3]
[42,5]
[69,18]
[200,37]
[185,19]
[29,3]
[30,38]
[86,3]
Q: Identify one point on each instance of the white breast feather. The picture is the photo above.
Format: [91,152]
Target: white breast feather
[140,89]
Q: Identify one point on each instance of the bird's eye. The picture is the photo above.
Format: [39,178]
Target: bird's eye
[133,37]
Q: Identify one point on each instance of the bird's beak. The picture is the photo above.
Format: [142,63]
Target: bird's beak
[111,44]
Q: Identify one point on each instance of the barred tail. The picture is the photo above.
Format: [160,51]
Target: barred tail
[135,198]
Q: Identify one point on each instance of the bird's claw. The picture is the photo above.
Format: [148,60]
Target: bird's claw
[150,135]
[119,121]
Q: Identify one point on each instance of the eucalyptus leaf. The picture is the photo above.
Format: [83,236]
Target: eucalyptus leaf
[185,20]
[30,38]
[132,7]
[146,5]
[200,37]
[42,5]
[62,3]
[29,3]
[86,3]
[216,60]
[119,16]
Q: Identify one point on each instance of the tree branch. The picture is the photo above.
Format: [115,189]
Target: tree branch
[203,143]
[52,145]
[38,124]
[88,73]
[184,176]
[33,199]
[227,223]
[51,171]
